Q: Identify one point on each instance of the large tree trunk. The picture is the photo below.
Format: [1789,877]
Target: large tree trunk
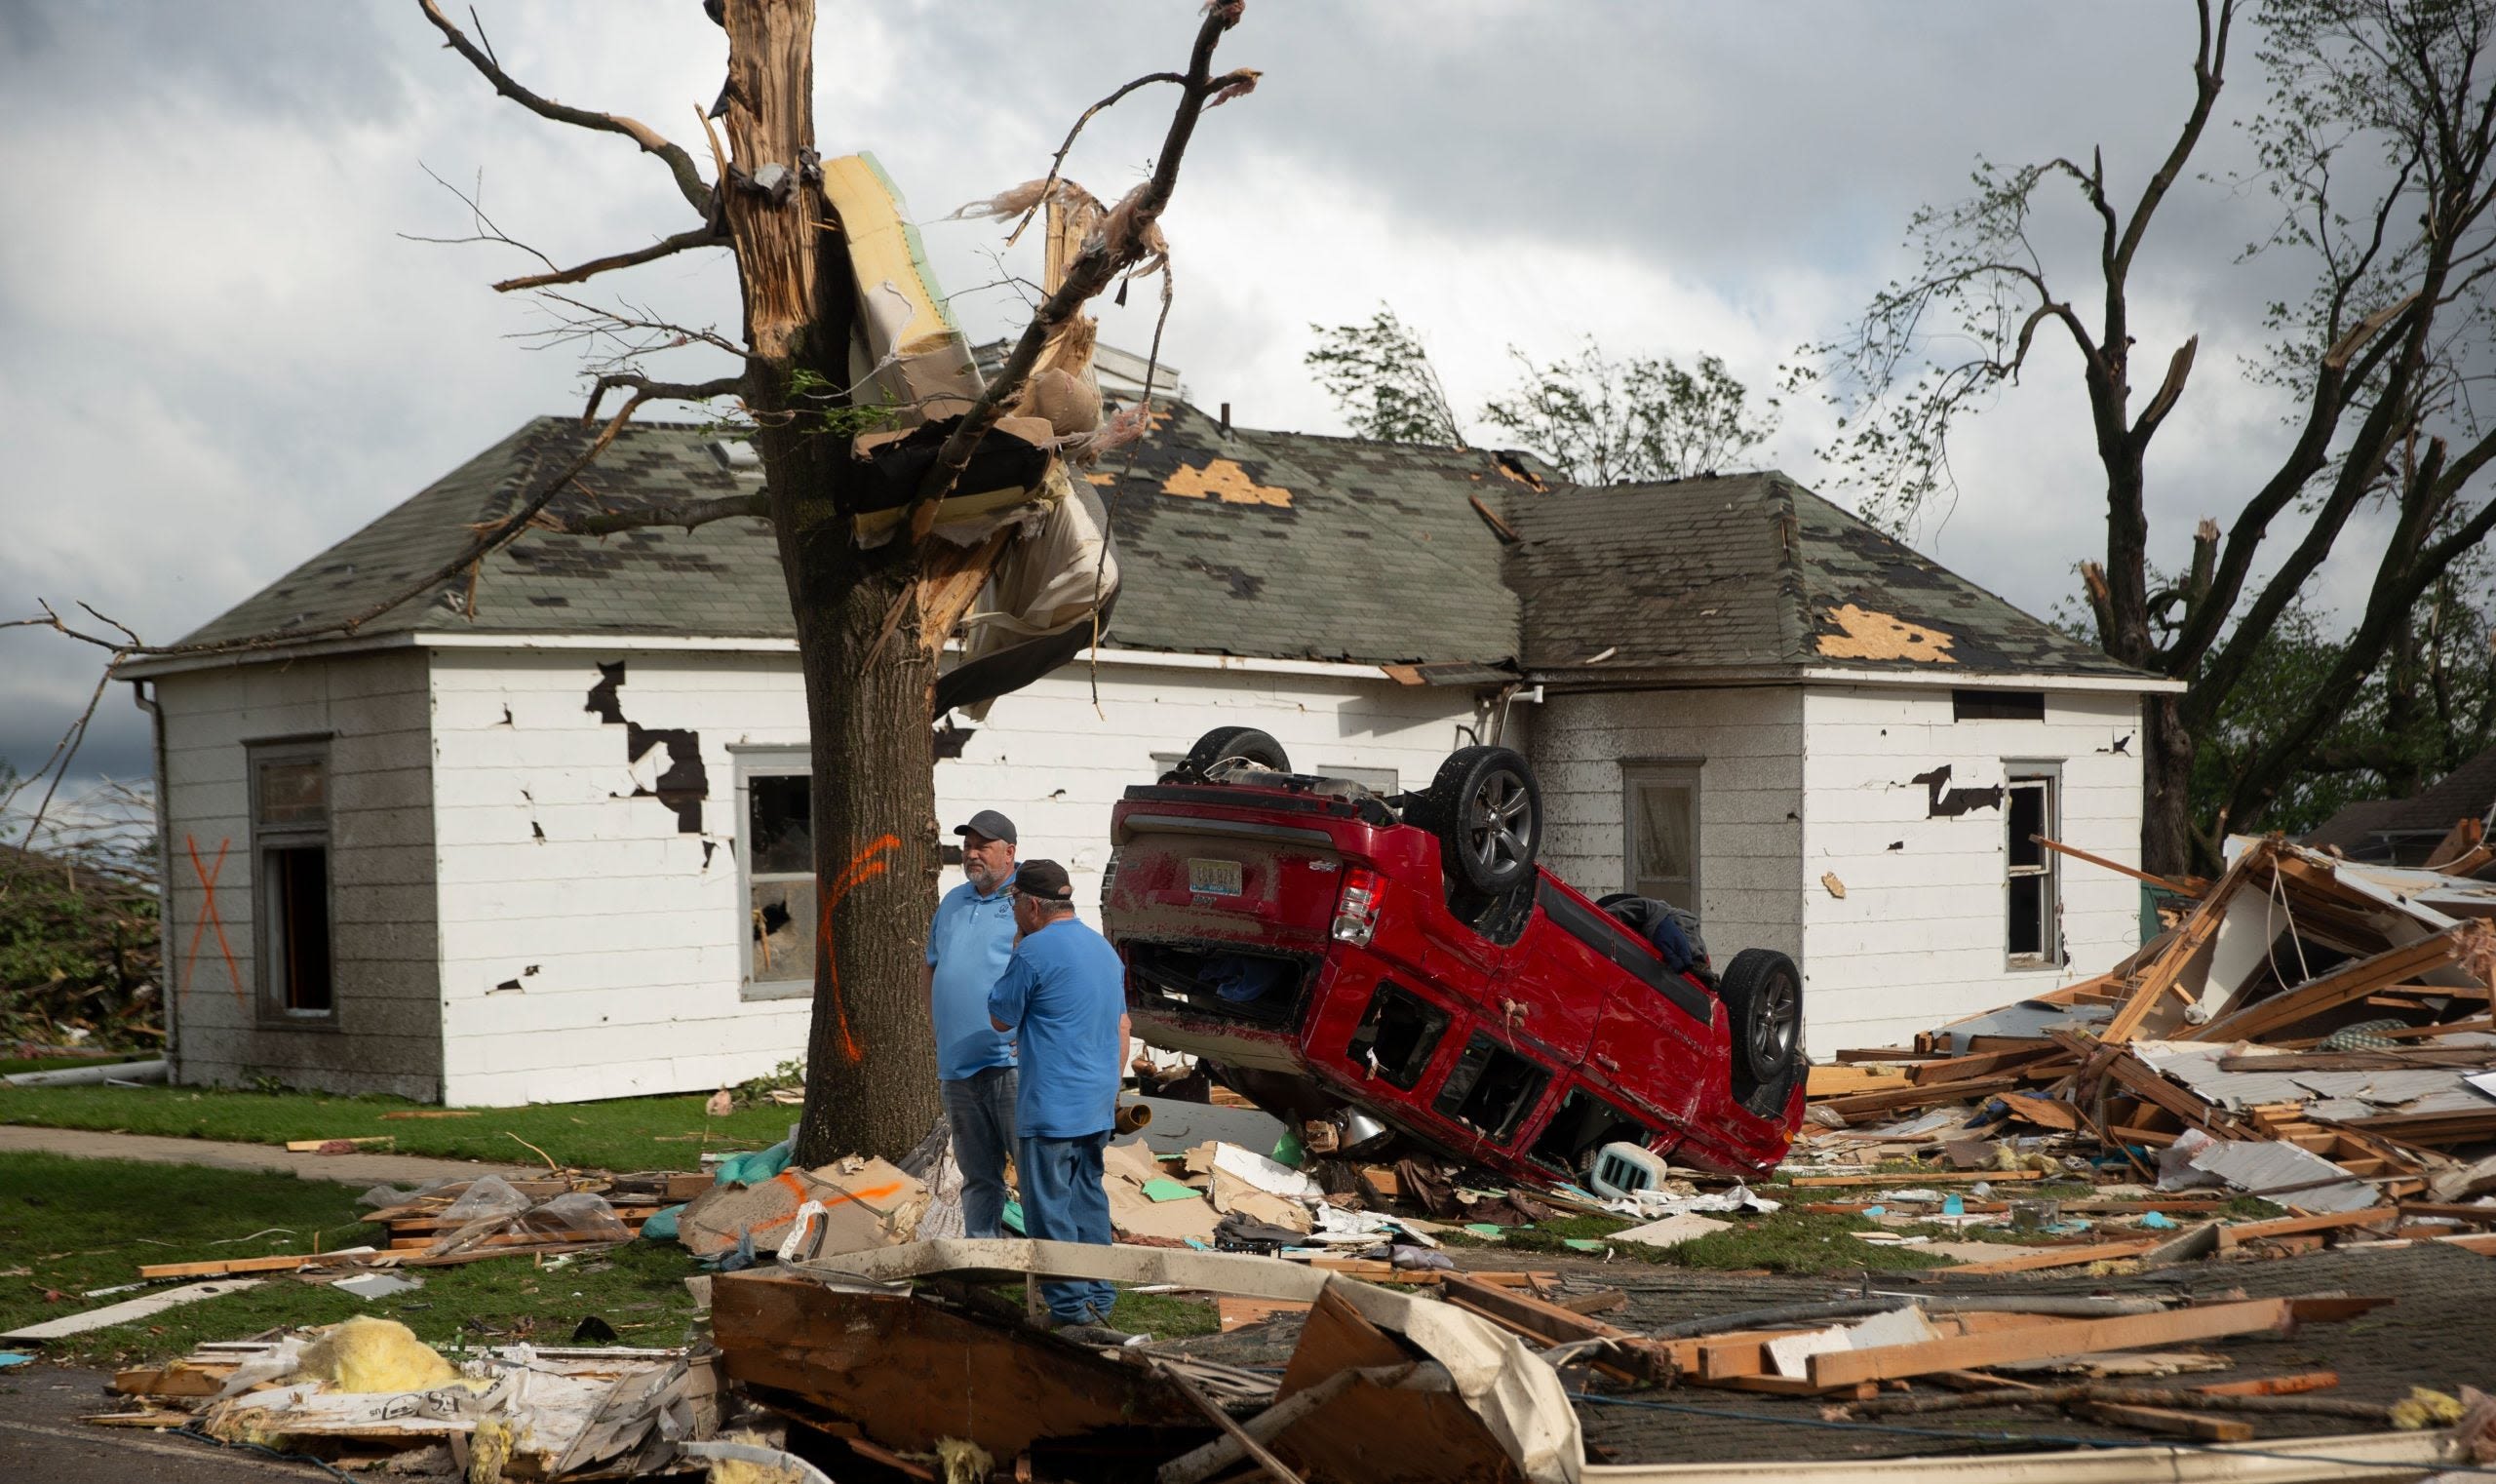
[870,1056]
[2168,844]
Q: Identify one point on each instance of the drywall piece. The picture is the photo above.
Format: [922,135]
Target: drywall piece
[130,1310]
[1672,1231]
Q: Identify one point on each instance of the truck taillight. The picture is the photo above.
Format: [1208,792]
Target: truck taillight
[1356,914]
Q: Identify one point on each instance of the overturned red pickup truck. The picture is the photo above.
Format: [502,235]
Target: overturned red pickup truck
[1330,951]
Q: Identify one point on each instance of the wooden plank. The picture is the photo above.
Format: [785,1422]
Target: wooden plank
[176,1379]
[315,1146]
[2033,1064]
[284,1262]
[2273,1385]
[2192,1424]
[1837,1079]
[2078,1337]
[130,1311]
[2061,1257]
[2337,987]
[2151,982]
[2236,1236]
[2151,1138]
[2162,883]
[2046,1112]
[1902,1099]
[1237,1313]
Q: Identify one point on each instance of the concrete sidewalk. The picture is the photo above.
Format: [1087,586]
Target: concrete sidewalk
[359,1168]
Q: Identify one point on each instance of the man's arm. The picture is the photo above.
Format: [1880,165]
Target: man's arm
[1006,1002]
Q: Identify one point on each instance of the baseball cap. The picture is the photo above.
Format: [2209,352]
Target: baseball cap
[990,823]
[1042,880]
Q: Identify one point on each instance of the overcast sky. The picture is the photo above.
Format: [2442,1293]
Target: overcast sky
[219,353]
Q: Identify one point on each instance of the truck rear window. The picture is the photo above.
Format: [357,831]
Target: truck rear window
[1492,1089]
[1396,1035]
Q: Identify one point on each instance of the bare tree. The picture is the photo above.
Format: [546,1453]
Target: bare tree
[870,621]
[2376,140]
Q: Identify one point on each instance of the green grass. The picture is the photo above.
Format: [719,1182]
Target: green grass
[627,1134]
[1163,1316]
[71,1225]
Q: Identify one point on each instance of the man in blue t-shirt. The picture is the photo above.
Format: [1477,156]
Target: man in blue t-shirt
[1063,995]
[967,947]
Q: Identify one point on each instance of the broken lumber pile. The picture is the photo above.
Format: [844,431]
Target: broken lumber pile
[2310,1030]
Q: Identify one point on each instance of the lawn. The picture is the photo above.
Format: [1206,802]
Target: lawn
[665,1133]
[67,1225]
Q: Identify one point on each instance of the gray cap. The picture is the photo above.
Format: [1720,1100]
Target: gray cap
[990,823]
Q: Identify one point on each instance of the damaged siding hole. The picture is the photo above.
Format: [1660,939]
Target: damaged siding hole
[686,783]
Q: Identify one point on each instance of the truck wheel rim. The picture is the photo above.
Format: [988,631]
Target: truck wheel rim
[1773,1030]
[1501,826]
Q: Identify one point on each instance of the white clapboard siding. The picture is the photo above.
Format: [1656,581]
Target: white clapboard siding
[589,949]
[1920,935]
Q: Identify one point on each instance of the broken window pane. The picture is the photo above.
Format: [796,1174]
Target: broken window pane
[783,929]
[780,878]
[1663,829]
[294,793]
[296,897]
[2027,822]
[2027,916]
[1583,1124]
[780,825]
[2033,935]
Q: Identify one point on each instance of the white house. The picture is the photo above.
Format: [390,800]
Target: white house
[539,833]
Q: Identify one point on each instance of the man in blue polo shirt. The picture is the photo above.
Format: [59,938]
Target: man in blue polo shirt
[1063,997]
[967,948]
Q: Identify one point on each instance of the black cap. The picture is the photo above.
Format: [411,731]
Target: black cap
[989,823]
[1042,880]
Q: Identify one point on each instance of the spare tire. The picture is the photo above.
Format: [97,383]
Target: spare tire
[1762,993]
[1225,743]
[1487,811]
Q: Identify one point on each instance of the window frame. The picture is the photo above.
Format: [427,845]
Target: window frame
[1681,773]
[2047,777]
[269,997]
[776,762]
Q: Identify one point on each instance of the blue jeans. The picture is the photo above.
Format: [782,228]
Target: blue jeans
[1065,1201]
[979,1110]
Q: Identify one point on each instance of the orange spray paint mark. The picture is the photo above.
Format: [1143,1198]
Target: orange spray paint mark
[208,917]
[867,863]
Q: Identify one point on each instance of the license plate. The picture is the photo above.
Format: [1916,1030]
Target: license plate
[1213,878]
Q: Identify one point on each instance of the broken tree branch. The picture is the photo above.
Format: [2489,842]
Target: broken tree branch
[688,179]
[698,237]
[1119,244]
[687,514]
[648,390]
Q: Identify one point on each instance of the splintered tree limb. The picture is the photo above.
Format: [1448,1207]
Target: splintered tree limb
[687,514]
[1057,164]
[688,179]
[698,237]
[1119,244]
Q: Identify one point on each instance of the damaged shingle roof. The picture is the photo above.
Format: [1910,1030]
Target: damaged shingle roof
[1752,574]
[1272,545]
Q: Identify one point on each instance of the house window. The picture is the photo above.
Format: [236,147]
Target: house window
[776,797]
[1659,809]
[289,790]
[2035,913]
[1491,1089]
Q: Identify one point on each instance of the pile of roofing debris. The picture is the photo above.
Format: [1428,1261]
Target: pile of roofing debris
[2310,1032]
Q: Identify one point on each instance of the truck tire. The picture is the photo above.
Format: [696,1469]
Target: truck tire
[1762,993]
[1223,743]
[1487,811]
